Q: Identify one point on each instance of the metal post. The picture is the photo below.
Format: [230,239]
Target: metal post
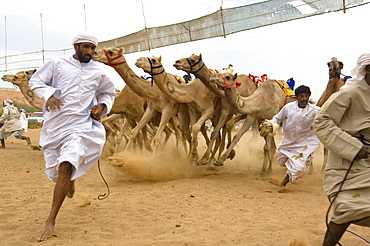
[42,40]
[6,48]
[85,18]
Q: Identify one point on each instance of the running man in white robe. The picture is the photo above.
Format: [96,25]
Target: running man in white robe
[12,124]
[23,119]
[343,126]
[71,137]
[299,143]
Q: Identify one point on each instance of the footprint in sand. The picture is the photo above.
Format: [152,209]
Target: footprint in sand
[284,190]
[274,181]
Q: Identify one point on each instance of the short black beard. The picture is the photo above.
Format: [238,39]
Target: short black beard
[304,102]
[84,58]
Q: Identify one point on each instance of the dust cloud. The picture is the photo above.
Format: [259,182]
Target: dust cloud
[172,163]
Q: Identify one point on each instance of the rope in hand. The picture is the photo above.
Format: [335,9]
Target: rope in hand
[335,197]
[105,195]
[327,213]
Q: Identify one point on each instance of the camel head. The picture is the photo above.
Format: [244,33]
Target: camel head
[152,65]
[18,79]
[30,72]
[335,68]
[224,81]
[191,64]
[8,78]
[109,56]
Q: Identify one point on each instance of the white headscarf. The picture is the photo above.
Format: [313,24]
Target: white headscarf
[358,73]
[8,102]
[85,38]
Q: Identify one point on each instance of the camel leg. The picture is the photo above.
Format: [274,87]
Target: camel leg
[110,133]
[227,132]
[145,139]
[184,123]
[195,129]
[180,138]
[165,118]
[2,146]
[214,136]
[148,115]
[269,151]
[248,122]
[122,131]
[203,130]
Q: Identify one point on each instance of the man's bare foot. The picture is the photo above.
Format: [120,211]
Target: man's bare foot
[48,232]
[71,190]
[2,147]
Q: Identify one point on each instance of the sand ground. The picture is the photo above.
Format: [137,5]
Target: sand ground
[161,200]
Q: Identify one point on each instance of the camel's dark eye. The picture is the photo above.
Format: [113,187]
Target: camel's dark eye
[110,53]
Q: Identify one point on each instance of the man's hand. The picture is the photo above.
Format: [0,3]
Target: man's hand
[362,154]
[96,111]
[53,104]
[266,128]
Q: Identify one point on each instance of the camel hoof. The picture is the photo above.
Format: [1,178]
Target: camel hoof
[218,164]
[33,147]
[231,155]
[200,163]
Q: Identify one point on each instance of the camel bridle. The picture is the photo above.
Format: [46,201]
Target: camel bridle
[338,74]
[193,65]
[227,85]
[109,60]
[152,68]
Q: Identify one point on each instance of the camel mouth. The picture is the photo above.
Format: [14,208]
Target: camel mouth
[139,64]
[177,66]
[216,85]
[219,87]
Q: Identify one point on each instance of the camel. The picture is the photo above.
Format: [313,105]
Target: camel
[157,101]
[194,64]
[127,110]
[21,79]
[334,84]
[263,103]
[203,104]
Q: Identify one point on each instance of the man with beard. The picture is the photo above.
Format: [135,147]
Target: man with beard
[343,126]
[71,137]
[299,142]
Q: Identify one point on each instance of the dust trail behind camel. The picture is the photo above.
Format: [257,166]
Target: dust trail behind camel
[170,163]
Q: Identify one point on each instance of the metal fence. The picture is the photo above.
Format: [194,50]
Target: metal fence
[220,23]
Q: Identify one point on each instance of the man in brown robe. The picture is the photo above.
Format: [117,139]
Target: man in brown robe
[343,126]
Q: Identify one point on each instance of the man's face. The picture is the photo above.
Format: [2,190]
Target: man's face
[302,99]
[84,51]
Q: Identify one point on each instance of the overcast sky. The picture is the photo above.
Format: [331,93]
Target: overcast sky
[298,49]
